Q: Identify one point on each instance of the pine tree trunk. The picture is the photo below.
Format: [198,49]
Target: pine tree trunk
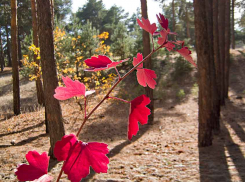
[214,99]
[19,50]
[50,80]
[204,69]
[15,68]
[227,48]
[173,14]
[233,25]
[8,46]
[216,125]
[146,51]
[1,53]
[52,12]
[39,86]
[221,27]
[187,22]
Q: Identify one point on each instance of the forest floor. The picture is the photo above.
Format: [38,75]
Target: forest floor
[164,151]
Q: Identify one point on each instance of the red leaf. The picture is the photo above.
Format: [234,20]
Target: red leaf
[169,46]
[101,63]
[62,148]
[79,156]
[163,21]
[147,26]
[38,166]
[163,38]
[185,52]
[73,88]
[144,76]
[138,113]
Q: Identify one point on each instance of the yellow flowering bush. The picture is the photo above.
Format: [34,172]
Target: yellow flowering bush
[70,53]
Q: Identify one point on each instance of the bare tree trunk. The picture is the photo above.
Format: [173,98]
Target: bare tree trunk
[39,86]
[214,99]
[227,48]
[233,25]
[1,52]
[216,125]
[187,22]
[221,27]
[50,80]
[173,14]
[204,69]
[15,68]
[52,12]
[146,51]
[19,49]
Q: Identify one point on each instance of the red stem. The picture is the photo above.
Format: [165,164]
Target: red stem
[116,98]
[119,76]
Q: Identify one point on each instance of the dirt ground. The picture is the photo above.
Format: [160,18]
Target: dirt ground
[164,151]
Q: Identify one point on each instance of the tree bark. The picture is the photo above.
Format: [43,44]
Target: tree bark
[7,35]
[221,30]
[1,52]
[50,80]
[146,51]
[15,68]
[204,79]
[39,86]
[233,25]
[214,98]
[187,22]
[216,125]
[52,12]
[227,48]
[19,50]
[173,14]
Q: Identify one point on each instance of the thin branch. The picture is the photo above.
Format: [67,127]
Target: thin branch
[116,98]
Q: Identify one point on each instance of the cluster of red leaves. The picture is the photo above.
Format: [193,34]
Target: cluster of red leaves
[78,156]
[144,76]
[163,40]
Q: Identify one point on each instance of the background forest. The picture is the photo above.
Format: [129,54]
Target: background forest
[91,20]
[197,112]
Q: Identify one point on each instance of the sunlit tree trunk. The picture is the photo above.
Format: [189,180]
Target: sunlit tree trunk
[233,24]
[15,68]
[50,80]
[227,48]
[39,87]
[204,63]
[146,51]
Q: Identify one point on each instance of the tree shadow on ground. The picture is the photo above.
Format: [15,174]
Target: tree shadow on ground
[25,141]
[116,150]
[9,87]
[215,161]
[23,130]
[237,75]
[27,104]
